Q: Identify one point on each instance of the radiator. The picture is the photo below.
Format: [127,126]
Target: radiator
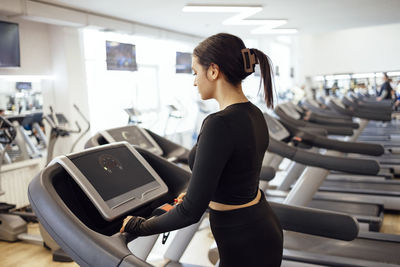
[15,179]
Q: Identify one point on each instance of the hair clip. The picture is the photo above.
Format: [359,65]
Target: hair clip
[249,60]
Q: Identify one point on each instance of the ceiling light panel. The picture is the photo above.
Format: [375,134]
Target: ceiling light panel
[266,25]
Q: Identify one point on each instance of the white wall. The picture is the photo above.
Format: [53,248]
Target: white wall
[69,84]
[349,51]
[35,50]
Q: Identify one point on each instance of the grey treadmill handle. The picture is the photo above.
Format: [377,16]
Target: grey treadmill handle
[347,147]
[363,115]
[316,222]
[126,237]
[336,130]
[315,118]
[350,165]
[373,116]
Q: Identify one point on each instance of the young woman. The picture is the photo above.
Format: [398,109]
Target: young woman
[226,161]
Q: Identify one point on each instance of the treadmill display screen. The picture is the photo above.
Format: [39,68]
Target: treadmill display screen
[273,126]
[132,135]
[115,174]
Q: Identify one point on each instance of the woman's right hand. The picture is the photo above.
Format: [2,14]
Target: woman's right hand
[180,198]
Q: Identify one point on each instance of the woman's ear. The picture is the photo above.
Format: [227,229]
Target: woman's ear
[213,71]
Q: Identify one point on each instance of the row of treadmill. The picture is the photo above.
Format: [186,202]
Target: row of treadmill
[344,159]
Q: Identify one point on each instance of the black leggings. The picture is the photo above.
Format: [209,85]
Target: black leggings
[248,237]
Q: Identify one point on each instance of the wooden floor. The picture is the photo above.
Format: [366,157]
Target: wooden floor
[20,254]
[391,223]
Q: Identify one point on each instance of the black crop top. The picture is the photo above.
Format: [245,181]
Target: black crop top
[225,163]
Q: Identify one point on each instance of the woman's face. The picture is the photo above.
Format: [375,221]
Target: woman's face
[201,80]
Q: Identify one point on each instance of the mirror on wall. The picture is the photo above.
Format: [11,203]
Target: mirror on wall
[19,96]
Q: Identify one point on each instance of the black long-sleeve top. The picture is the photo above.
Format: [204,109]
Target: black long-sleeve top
[225,163]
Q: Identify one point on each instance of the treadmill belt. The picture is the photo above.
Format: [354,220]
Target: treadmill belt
[367,188]
[365,249]
[363,209]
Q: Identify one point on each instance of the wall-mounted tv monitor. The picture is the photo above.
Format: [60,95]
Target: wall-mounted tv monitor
[23,86]
[183,62]
[120,56]
[9,45]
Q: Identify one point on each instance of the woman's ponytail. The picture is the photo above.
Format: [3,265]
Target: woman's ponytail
[266,76]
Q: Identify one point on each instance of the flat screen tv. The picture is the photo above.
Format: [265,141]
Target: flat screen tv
[23,86]
[121,56]
[9,45]
[183,62]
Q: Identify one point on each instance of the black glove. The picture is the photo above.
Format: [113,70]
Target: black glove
[133,225]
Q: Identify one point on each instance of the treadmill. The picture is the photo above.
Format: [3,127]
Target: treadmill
[290,118]
[377,248]
[143,138]
[388,190]
[367,213]
[390,159]
[83,209]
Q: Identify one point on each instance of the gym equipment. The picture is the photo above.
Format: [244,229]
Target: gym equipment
[134,115]
[142,138]
[71,211]
[12,226]
[58,123]
[370,213]
[84,132]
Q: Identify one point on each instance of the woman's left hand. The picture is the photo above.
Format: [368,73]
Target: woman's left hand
[126,220]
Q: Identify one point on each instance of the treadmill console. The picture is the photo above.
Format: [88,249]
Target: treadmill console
[135,136]
[313,102]
[294,107]
[337,102]
[290,112]
[115,177]
[275,128]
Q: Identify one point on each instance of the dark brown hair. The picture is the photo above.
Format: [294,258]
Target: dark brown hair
[224,50]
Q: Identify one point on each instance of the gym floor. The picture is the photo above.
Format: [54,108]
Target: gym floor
[23,254]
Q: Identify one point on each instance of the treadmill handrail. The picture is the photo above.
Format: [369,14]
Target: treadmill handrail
[315,118]
[343,146]
[358,113]
[285,119]
[316,222]
[350,165]
[317,140]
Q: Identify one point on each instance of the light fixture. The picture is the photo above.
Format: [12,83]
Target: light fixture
[363,75]
[262,30]
[329,77]
[338,77]
[393,73]
[342,77]
[266,25]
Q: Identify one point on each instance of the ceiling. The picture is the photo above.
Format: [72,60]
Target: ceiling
[308,16]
